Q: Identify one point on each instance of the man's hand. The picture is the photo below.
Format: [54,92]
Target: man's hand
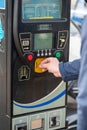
[51,65]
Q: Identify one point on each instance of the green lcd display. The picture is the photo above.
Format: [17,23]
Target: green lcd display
[43,41]
[41,9]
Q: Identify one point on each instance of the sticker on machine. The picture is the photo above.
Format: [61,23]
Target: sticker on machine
[2,4]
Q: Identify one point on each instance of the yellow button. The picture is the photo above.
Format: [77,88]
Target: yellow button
[37,62]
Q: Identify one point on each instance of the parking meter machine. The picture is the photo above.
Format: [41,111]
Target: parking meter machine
[36,30]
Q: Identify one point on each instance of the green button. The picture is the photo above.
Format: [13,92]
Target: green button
[58,54]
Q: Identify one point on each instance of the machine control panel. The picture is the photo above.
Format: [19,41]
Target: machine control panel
[40,30]
[36,47]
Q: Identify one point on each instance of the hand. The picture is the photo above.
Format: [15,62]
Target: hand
[51,65]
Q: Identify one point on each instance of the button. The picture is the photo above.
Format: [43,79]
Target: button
[45,52]
[37,62]
[58,54]
[49,52]
[42,53]
[38,53]
[30,57]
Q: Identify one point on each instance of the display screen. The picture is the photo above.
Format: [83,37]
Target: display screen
[41,9]
[43,41]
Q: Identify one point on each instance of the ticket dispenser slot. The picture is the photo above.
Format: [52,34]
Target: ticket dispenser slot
[40,30]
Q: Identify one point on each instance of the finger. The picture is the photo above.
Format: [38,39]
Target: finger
[44,70]
[43,66]
[57,74]
[47,60]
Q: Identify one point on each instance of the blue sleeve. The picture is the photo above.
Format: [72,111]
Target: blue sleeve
[82,82]
[70,70]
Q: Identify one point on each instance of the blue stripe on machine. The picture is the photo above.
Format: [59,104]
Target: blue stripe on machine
[44,103]
[2,4]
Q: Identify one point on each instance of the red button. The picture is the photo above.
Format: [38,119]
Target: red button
[30,57]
